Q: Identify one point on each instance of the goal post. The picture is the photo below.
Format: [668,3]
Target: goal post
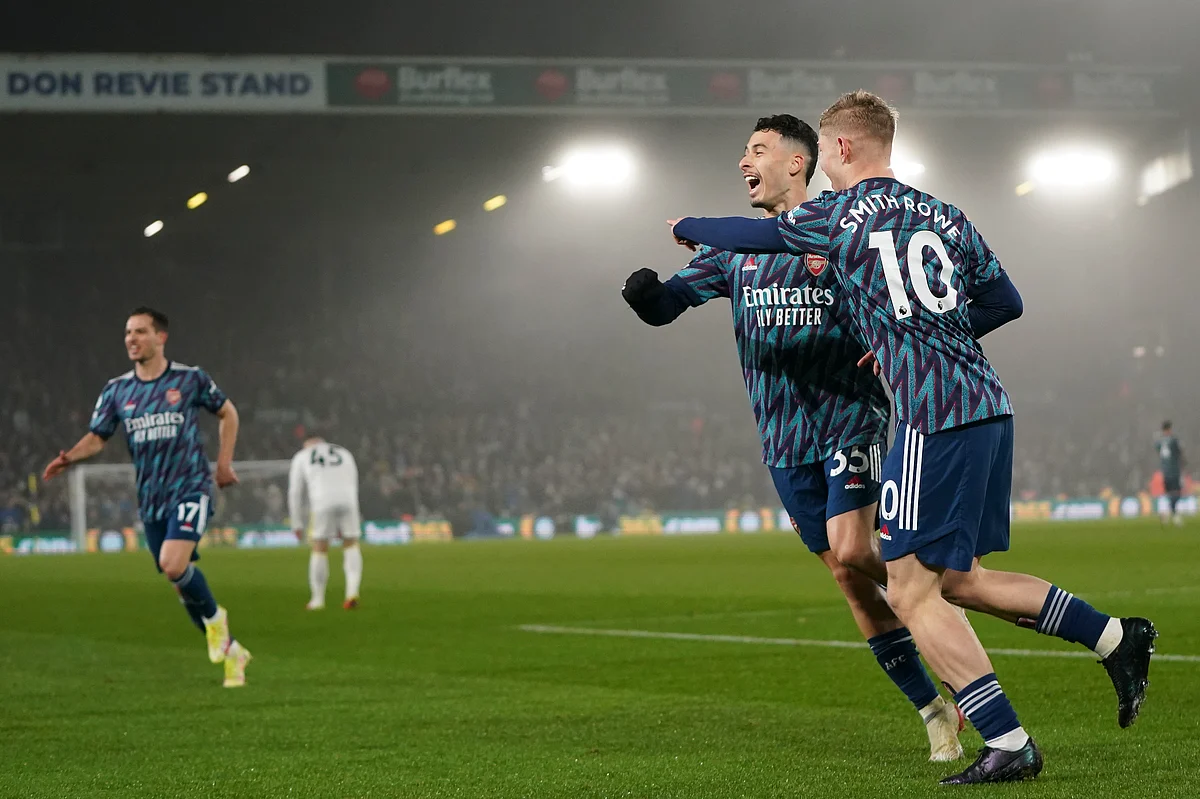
[104,495]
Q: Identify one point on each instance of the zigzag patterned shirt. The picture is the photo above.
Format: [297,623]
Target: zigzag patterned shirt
[908,262]
[799,356]
[160,422]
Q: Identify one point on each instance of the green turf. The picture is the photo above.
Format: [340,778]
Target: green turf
[432,690]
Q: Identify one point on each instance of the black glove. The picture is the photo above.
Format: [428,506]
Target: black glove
[642,289]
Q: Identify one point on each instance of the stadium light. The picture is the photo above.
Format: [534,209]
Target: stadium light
[499,201]
[1025,188]
[152,228]
[907,169]
[586,167]
[1165,173]
[442,228]
[196,200]
[1073,168]
[905,164]
[238,173]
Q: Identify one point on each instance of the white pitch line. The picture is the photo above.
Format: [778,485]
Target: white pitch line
[1174,589]
[550,629]
[798,612]
[727,639]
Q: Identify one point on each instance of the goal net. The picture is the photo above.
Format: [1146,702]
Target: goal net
[103,499]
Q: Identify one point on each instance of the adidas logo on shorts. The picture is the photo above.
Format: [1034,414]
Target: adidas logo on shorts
[855,482]
[884,534]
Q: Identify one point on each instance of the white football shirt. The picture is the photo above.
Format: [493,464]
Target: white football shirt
[326,475]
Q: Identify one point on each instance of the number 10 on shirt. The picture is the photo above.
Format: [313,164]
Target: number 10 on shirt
[884,241]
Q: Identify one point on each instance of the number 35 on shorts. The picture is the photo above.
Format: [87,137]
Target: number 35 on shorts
[857,460]
[852,478]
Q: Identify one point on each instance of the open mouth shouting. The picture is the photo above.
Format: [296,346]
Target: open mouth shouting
[753,183]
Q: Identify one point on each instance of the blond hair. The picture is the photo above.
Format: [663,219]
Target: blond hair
[862,112]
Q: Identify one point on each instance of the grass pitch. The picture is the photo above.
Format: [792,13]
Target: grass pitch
[432,689]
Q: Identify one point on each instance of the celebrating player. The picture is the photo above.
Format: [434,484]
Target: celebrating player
[822,420]
[157,405]
[1170,458]
[910,265]
[328,476]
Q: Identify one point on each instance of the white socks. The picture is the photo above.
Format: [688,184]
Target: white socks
[318,576]
[1110,639]
[930,711]
[352,565]
[318,573]
[1010,741]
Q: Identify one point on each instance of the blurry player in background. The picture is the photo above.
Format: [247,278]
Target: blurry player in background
[923,287]
[157,404]
[823,421]
[327,475]
[1170,458]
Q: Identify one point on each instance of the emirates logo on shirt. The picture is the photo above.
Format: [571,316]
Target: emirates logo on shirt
[816,264]
[174,396]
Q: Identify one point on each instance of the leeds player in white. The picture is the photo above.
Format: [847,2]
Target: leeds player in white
[327,476]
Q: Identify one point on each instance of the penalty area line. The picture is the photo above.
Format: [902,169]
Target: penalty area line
[550,629]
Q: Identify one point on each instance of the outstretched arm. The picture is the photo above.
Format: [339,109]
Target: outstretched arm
[733,233]
[657,303]
[87,447]
[227,432]
[804,229]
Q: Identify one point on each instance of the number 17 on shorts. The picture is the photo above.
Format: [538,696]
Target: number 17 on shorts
[190,519]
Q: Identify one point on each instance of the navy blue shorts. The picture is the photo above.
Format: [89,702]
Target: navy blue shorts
[814,493]
[1172,484]
[946,496]
[186,523]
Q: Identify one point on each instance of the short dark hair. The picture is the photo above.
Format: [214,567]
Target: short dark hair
[157,318]
[798,133]
[1167,425]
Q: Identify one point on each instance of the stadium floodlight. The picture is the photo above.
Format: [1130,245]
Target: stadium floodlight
[594,166]
[152,228]
[238,173]
[906,169]
[1073,167]
[499,201]
[905,164]
[442,228]
[1165,173]
[196,200]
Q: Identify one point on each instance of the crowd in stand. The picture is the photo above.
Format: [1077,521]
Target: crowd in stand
[450,448]
[425,458]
